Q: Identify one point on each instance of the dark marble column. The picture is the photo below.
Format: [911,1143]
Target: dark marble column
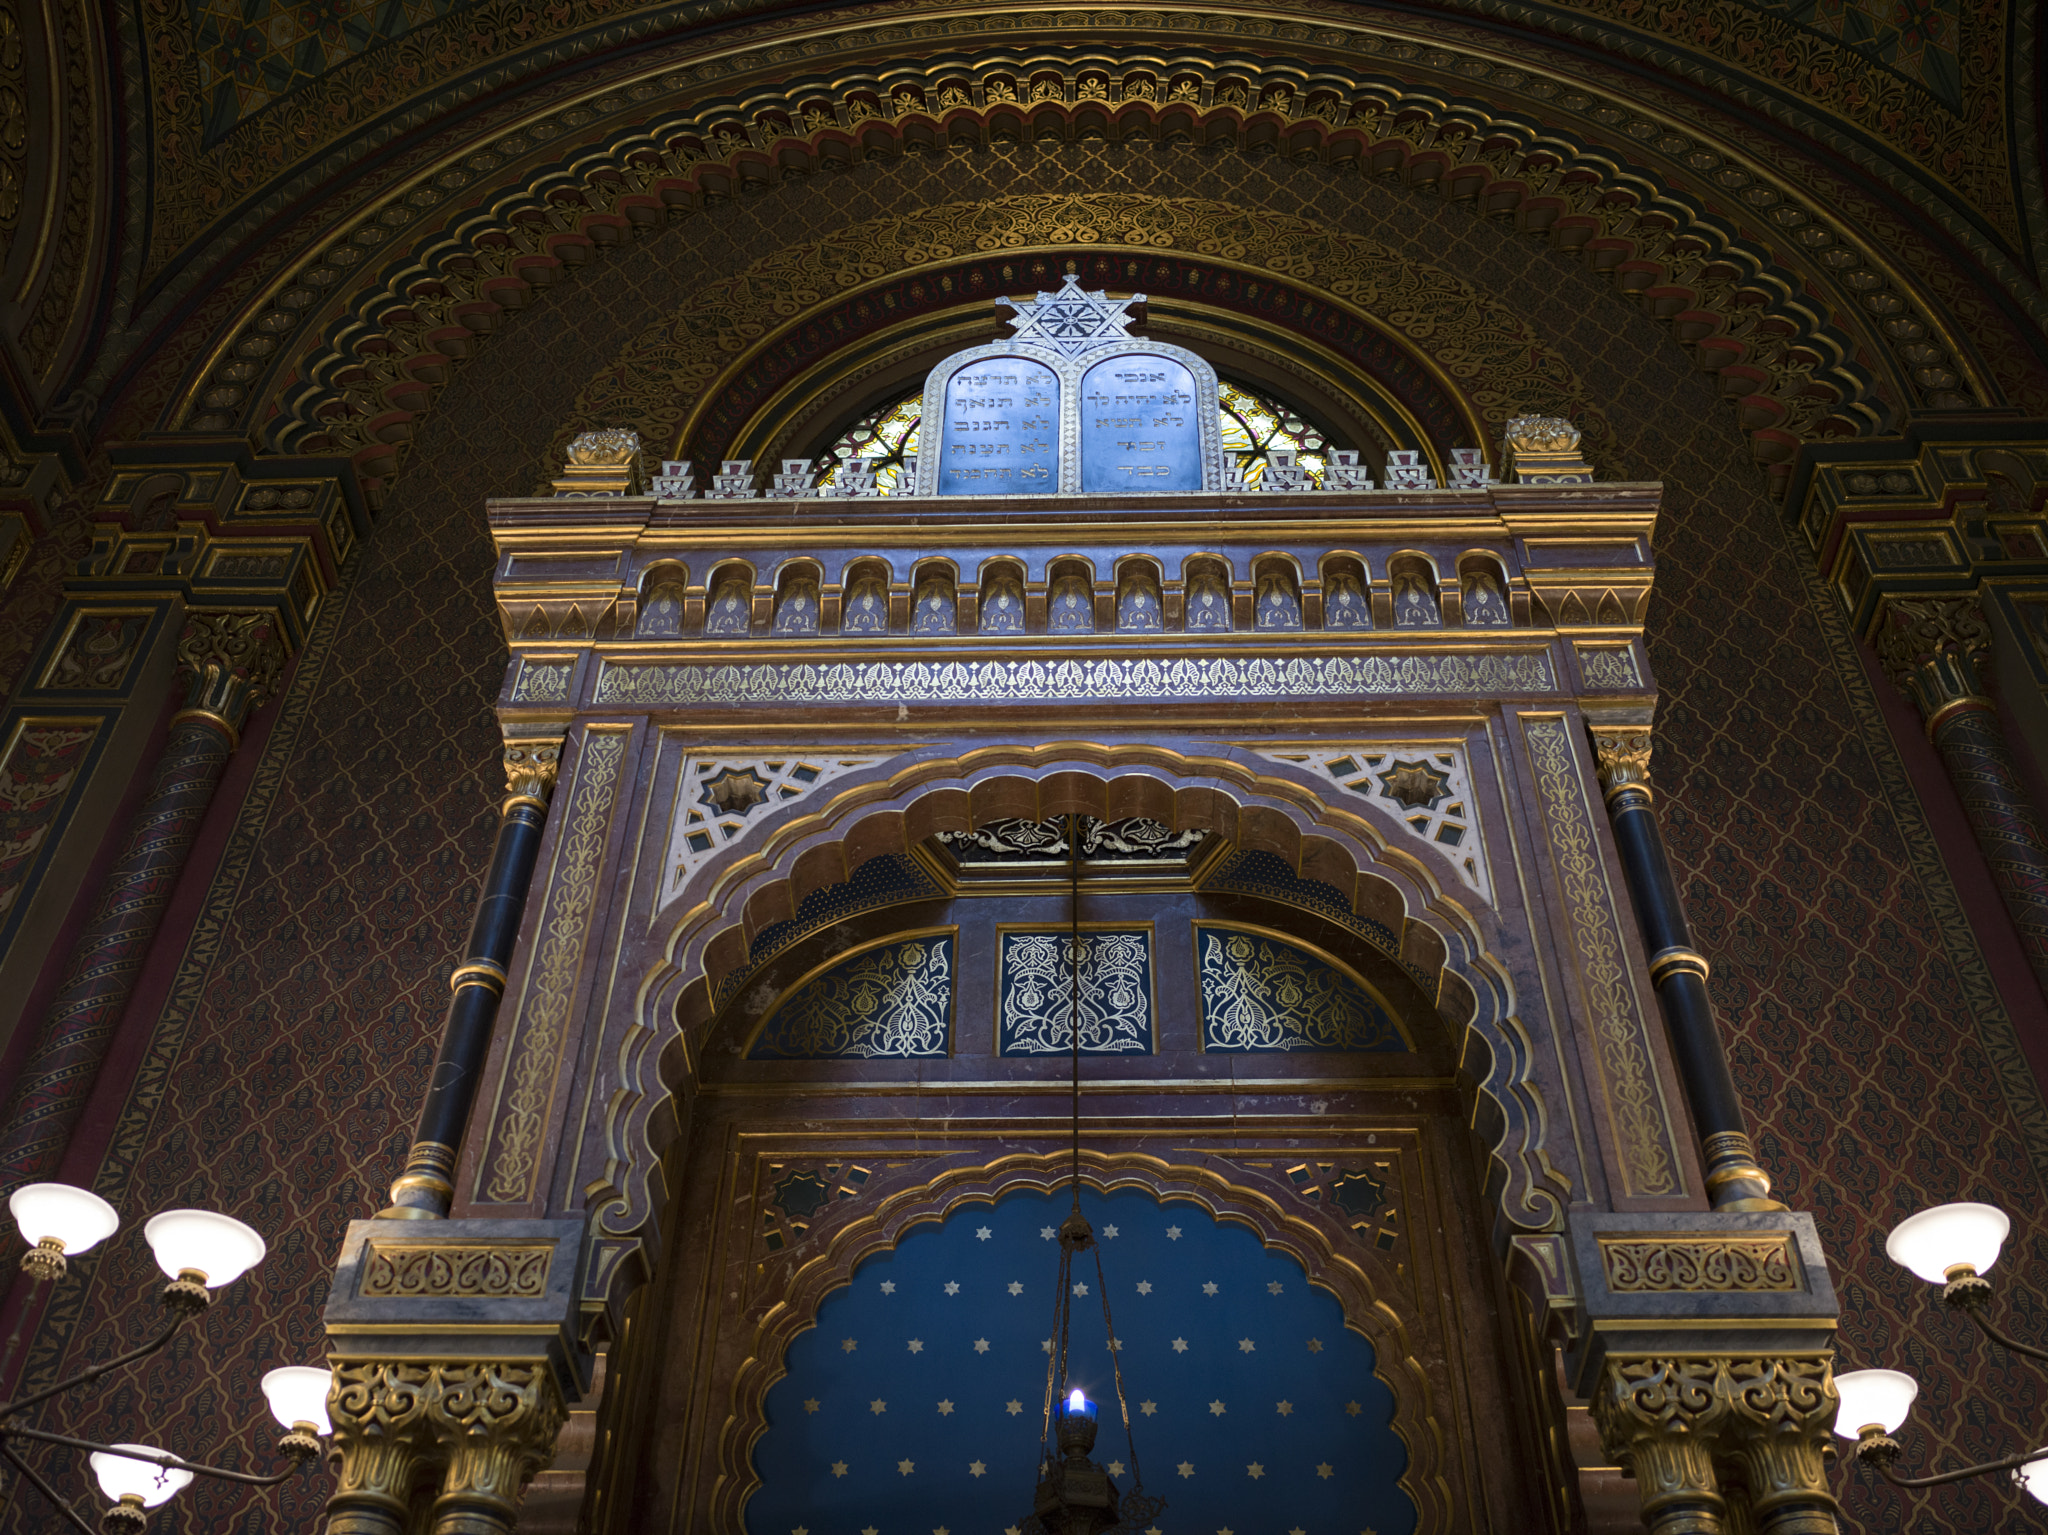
[425,1190]
[230,663]
[1931,648]
[1679,973]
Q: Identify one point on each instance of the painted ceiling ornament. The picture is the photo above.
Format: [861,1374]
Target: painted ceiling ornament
[1073,321]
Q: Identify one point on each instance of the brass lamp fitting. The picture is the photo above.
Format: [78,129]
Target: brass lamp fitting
[302,1443]
[1966,1289]
[127,1517]
[1874,1447]
[44,1262]
[1076,1434]
[187,1294]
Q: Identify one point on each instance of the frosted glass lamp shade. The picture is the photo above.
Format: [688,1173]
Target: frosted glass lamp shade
[298,1394]
[1883,1397]
[1937,1240]
[2034,1477]
[121,1477]
[218,1246]
[77,1219]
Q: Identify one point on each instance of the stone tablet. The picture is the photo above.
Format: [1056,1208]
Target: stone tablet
[1001,430]
[1140,425]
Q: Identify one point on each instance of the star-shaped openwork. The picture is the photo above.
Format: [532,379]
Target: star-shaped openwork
[734,791]
[1073,321]
[1416,785]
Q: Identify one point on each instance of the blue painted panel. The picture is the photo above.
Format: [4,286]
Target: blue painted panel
[1034,995]
[915,1404]
[1002,429]
[1262,995]
[892,1000]
[1140,429]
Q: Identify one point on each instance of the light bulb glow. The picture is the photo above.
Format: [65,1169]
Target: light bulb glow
[1883,1397]
[1937,1240]
[74,1217]
[218,1246]
[2034,1477]
[298,1394]
[119,1476]
[1076,1402]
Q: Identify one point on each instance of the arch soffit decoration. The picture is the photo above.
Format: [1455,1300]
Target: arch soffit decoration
[1435,54]
[1739,298]
[1367,1293]
[1256,803]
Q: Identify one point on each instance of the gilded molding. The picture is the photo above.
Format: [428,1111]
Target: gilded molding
[1645,1144]
[1678,960]
[510,1162]
[1194,679]
[503,1273]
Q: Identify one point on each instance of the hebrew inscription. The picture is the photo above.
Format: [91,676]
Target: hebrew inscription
[1002,429]
[1139,429]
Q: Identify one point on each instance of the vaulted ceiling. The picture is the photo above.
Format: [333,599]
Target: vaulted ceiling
[283,221]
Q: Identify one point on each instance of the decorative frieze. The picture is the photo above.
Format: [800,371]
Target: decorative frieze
[465,1270]
[1690,1261]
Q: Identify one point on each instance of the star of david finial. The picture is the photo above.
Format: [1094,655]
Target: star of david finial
[1073,320]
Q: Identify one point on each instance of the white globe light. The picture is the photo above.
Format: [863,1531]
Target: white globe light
[2034,1477]
[121,1477]
[77,1219]
[1883,1397]
[298,1394]
[1935,1241]
[218,1246]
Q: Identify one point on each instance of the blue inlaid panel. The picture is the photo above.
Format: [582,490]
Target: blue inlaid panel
[1140,429]
[892,1000]
[915,1403]
[1034,1002]
[1263,995]
[1002,429]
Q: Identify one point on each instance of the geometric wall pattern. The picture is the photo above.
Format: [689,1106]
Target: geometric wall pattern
[916,1402]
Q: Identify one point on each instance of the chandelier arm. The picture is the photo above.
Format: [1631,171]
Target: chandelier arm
[168,1462]
[1998,1337]
[49,1493]
[86,1377]
[2010,1463]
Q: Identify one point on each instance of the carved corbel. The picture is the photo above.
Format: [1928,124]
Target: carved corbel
[1621,755]
[532,764]
[231,663]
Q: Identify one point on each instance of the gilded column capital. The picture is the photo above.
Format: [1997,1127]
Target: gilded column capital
[231,663]
[379,1411]
[532,764]
[497,1421]
[1930,647]
[1621,756]
[1670,1417]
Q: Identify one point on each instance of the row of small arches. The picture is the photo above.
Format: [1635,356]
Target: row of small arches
[1138,599]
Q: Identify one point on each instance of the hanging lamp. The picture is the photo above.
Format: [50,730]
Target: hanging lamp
[1075,1495]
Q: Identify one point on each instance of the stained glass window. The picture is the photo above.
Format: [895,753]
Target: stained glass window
[885,438]
[1254,425]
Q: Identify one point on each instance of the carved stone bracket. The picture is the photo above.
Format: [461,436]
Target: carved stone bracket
[605,463]
[1544,450]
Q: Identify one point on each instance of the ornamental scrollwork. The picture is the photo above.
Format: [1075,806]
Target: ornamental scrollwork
[891,1000]
[1262,995]
[1037,1003]
[1720,1265]
[519,1273]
